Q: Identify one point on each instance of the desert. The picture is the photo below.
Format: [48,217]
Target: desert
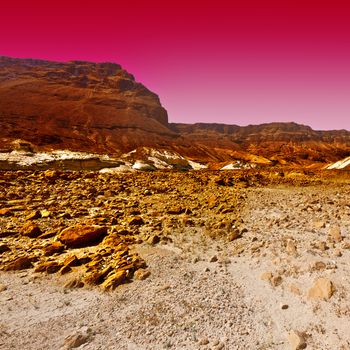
[121,230]
[196,260]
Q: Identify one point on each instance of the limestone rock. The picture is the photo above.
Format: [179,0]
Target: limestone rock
[294,289]
[76,340]
[322,288]
[142,274]
[266,276]
[82,235]
[291,247]
[335,234]
[297,340]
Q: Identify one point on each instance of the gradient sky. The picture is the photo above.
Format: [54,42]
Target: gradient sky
[238,62]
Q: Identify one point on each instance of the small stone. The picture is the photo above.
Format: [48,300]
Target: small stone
[319,265]
[135,221]
[114,280]
[284,306]
[346,245]
[76,340]
[2,287]
[45,213]
[6,212]
[216,342]
[142,274]
[291,247]
[213,259]
[33,215]
[48,234]
[337,252]
[48,267]
[233,235]
[204,341]
[55,247]
[153,239]
[4,248]
[219,346]
[71,261]
[335,234]
[266,276]
[74,283]
[64,270]
[176,210]
[323,288]
[20,263]
[297,340]
[321,245]
[31,230]
[276,281]
[319,224]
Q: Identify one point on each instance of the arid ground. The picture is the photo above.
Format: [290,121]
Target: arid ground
[170,260]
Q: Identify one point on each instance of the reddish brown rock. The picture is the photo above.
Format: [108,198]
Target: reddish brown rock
[135,221]
[82,236]
[94,107]
[4,248]
[6,212]
[114,280]
[53,248]
[31,230]
[33,215]
[21,263]
[48,267]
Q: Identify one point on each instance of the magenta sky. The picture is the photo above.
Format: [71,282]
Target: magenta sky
[238,62]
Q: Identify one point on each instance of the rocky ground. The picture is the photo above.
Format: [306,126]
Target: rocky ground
[166,260]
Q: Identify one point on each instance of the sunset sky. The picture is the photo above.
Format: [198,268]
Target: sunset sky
[237,62]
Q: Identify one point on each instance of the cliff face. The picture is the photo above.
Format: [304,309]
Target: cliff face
[280,142]
[77,105]
[100,108]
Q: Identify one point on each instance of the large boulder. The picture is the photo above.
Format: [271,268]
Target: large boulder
[82,235]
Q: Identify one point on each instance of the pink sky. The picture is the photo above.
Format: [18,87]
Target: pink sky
[236,62]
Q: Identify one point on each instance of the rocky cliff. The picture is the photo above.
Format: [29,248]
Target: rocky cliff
[82,106]
[99,108]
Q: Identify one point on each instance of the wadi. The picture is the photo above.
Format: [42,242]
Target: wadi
[122,230]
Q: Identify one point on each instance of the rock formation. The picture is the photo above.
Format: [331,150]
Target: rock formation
[99,108]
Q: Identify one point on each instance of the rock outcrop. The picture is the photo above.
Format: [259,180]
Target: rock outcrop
[77,105]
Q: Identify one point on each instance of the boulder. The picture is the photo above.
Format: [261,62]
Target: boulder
[82,235]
